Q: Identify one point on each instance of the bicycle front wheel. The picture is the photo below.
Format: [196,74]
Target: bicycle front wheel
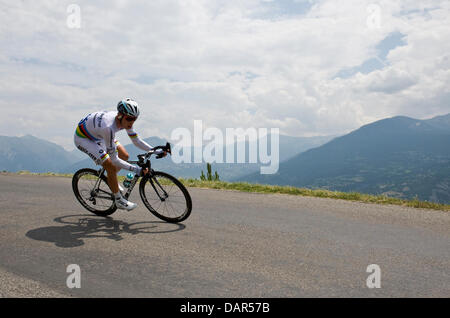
[165,197]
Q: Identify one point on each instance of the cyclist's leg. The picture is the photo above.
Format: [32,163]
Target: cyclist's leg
[121,202]
[110,168]
[123,153]
[111,171]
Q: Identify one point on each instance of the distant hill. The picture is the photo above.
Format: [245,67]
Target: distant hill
[33,154]
[400,156]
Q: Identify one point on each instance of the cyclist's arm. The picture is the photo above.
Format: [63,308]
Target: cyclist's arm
[138,142]
[122,164]
[111,147]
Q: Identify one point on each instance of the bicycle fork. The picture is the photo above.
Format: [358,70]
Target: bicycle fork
[156,190]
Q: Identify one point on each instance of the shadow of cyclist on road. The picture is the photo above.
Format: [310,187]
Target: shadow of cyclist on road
[80,227]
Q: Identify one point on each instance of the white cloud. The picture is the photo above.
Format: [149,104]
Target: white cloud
[229,63]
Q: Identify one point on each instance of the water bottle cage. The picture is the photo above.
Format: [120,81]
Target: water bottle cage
[126,183]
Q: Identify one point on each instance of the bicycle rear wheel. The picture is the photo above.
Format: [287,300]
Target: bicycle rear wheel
[93,192]
[165,197]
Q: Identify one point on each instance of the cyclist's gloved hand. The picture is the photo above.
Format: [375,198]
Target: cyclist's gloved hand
[141,171]
[160,153]
[144,172]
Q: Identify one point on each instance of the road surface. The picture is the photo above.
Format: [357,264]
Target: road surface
[234,244]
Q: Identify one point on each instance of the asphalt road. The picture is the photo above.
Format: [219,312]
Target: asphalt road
[233,245]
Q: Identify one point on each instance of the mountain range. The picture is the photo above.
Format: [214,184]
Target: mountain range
[33,154]
[400,156]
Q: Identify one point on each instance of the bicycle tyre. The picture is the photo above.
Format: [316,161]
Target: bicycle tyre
[149,181]
[75,186]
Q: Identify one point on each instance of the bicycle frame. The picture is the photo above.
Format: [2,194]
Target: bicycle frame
[134,182]
[144,162]
[129,189]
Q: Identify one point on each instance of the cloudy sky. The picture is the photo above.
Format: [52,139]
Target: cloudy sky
[306,67]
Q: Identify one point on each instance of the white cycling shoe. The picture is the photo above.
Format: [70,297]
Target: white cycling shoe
[124,204]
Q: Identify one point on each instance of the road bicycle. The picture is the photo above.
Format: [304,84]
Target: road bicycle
[163,195]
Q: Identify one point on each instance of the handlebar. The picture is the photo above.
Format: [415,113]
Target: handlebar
[167,148]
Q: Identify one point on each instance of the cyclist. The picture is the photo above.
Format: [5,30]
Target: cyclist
[95,134]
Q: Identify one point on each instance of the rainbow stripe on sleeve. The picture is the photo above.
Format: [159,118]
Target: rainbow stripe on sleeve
[133,135]
[80,133]
[104,157]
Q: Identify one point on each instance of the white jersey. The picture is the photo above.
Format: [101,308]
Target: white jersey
[100,128]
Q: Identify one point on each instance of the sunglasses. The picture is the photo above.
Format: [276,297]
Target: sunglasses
[130,119]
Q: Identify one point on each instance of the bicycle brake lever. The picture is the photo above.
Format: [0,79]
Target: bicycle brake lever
[168,148]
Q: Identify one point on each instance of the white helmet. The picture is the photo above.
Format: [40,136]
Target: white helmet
[128,107]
